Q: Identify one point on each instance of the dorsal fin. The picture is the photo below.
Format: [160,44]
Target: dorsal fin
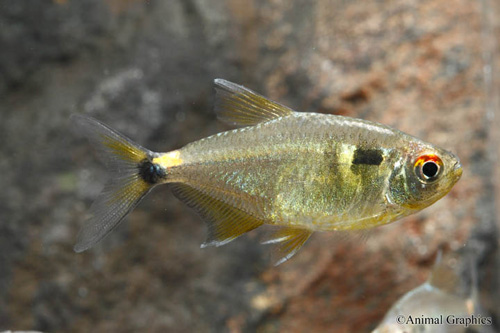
[290,241]
[237,105]
[224,222]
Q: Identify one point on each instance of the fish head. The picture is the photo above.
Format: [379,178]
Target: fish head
[423,175]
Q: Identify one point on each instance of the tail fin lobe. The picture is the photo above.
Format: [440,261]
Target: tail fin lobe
[125,161]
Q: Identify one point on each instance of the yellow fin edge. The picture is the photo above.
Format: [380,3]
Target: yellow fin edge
[289,241]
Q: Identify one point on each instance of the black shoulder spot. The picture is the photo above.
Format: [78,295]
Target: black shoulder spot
[367,156]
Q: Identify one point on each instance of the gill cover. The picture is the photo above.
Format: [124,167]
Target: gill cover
[424,177]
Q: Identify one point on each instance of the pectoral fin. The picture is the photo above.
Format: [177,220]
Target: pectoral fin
[224,222]
[237,105]
[289,240]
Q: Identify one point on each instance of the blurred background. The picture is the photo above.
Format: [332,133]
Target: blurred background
[428,67]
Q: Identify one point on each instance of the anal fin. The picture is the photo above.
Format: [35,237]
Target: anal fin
[224,222]
[289,241]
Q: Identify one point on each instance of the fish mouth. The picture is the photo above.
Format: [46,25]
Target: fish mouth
[457,170]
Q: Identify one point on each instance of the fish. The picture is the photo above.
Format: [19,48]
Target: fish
[299,172]
[437,305]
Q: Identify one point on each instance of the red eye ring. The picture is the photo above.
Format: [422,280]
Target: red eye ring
[428,167]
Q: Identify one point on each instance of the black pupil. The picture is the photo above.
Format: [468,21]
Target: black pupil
[430,169]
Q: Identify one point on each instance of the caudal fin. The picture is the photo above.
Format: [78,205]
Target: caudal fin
[126,162]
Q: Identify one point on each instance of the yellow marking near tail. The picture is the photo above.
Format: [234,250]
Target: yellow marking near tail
[169,159]
[123,149]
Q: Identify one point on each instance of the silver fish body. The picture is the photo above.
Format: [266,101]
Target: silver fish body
[303,172]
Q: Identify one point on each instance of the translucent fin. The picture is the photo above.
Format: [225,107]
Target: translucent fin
[473,302]
[237,105]
[224,222]
[445,275]
[123,191]
[290,241]
[113,148]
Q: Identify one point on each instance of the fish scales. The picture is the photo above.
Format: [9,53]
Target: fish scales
[295,171]
[301,172]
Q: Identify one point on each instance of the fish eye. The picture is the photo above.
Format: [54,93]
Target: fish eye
[427,168]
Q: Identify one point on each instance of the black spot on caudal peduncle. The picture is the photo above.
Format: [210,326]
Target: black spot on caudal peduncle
[367,156]
[151,173]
